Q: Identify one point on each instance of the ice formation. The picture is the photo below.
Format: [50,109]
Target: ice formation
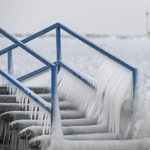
[32,108]
[36,111]
[42,79]
[141,112]
[114,85]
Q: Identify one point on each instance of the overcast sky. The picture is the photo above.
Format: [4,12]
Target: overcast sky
[83,16]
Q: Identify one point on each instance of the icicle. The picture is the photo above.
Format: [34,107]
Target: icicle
[113,82]
[36,111]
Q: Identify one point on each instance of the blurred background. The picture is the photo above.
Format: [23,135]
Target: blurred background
[110,17]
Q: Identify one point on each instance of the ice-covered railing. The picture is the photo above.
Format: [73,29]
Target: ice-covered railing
[33,98]
[111,64]
[58,28]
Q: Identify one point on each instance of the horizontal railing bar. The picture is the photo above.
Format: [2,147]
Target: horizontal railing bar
[29,38]
[32,73]
[75,73]
[119,60]
[26,48]
[24,89]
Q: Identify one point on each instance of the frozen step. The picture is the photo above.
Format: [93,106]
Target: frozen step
[21,124]
[9,107]
[95,136]
[79,122]
[99,128]
[43,141]
[38,90]
[32,131]
[133,144]
[72,114]
[7,99]
[3,90]
[14,115]
[47,97]
[65,105]
[12,98]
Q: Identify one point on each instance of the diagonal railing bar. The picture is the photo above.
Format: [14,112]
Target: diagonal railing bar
[26,90]
[26,48]
[75,73]
[29,38]
[40,58]
[32,73]
[94,46]
[59,26]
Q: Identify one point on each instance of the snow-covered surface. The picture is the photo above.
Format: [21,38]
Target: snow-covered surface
[36,130]
[44,141]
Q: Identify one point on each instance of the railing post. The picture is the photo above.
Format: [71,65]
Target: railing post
[10,62]
[53,89]
[58,45]
[134,74]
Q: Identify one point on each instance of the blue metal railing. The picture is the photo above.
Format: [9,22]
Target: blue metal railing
[111,56]
[40,58]
[59,26]
[59,62]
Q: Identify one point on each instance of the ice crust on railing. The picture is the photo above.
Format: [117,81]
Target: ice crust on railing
[76,91]
[141,113]
[114,85]
[36,111]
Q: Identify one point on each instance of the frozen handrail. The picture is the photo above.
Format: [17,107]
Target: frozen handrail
[59,26]
[37,56]
[24,89]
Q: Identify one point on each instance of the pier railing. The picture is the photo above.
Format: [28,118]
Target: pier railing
[55,66]
[59,62]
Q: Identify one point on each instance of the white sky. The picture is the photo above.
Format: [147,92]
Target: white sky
[83,16]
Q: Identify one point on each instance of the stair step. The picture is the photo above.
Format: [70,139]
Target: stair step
[14,115]
[95,136]
[3,90]
[32,131]
[72,114]
[43,141]
[38,90]
[10,106]
[99,128]
[64,105]
[12,98]
[46,96]
[7,99]
[79,122]
[21,124]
